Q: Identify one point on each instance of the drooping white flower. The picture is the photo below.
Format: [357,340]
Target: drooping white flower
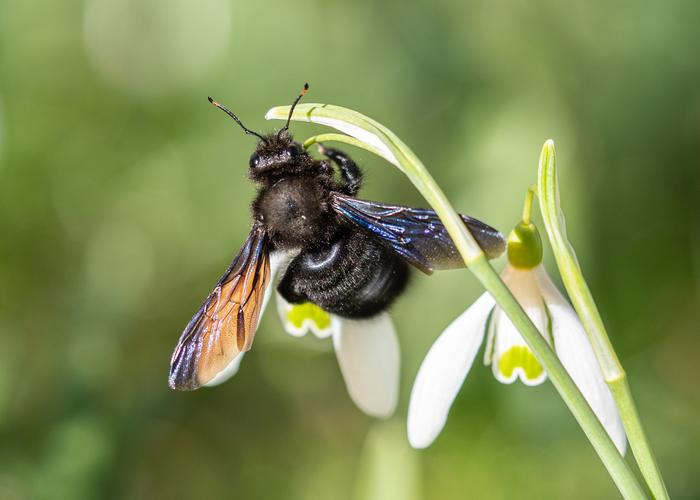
[449,360]
[367,350]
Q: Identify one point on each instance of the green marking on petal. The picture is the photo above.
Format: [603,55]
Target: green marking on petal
[520,357]
[301,312]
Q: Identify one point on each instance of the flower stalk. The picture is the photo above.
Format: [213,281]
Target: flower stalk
[583,302]
[378,139]
[527,206]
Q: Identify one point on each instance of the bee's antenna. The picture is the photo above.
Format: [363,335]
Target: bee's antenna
[291,110]
[232,115]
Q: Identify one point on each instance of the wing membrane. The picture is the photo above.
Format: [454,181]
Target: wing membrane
[417,234]
[225,325]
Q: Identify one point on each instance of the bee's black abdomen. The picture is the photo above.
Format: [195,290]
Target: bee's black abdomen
[356,276]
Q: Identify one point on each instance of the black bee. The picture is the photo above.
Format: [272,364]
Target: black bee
[349,256]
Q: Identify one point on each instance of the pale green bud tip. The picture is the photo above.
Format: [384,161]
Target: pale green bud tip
[548,153]
[524,246]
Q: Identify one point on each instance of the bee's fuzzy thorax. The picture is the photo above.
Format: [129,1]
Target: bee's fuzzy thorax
[295,211]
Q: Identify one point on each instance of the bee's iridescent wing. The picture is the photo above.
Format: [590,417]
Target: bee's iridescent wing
[417,234]
[225,325]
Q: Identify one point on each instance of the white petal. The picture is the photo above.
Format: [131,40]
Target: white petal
[577,356]
[369,359]
[511,357]
[316,321]
[228,372]
[443,371]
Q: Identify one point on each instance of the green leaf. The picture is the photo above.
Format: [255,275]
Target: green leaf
[572,276]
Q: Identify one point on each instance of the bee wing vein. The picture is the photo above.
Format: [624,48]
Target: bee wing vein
[225,324]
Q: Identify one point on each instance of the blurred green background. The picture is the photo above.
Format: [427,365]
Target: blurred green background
[123,196]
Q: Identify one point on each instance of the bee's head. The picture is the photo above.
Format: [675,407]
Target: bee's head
[277,153]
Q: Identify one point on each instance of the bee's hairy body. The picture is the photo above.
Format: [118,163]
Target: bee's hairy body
[349,256]
[339,267]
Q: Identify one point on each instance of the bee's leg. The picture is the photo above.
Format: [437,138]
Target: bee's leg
[351,173]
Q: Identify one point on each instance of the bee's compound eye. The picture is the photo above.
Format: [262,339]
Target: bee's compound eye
[254,160]
[293,150]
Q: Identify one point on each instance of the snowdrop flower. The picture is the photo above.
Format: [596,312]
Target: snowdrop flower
[367,350]
[451,357]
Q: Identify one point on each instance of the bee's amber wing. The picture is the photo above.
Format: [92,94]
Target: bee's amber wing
[417,234]
[224,326]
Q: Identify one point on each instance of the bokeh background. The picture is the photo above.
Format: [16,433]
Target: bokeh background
[123,196]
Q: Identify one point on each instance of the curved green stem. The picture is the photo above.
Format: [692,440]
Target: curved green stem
[582,299]
[381,139]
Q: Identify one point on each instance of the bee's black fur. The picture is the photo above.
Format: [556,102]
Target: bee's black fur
[356,276]
[339,267]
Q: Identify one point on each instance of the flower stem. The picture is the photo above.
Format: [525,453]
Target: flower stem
[582,299]
[396,152]
[527,207]
[638,441]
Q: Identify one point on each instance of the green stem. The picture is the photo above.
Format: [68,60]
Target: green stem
[400,155]
[637,438]
[582,299]
[527,207]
